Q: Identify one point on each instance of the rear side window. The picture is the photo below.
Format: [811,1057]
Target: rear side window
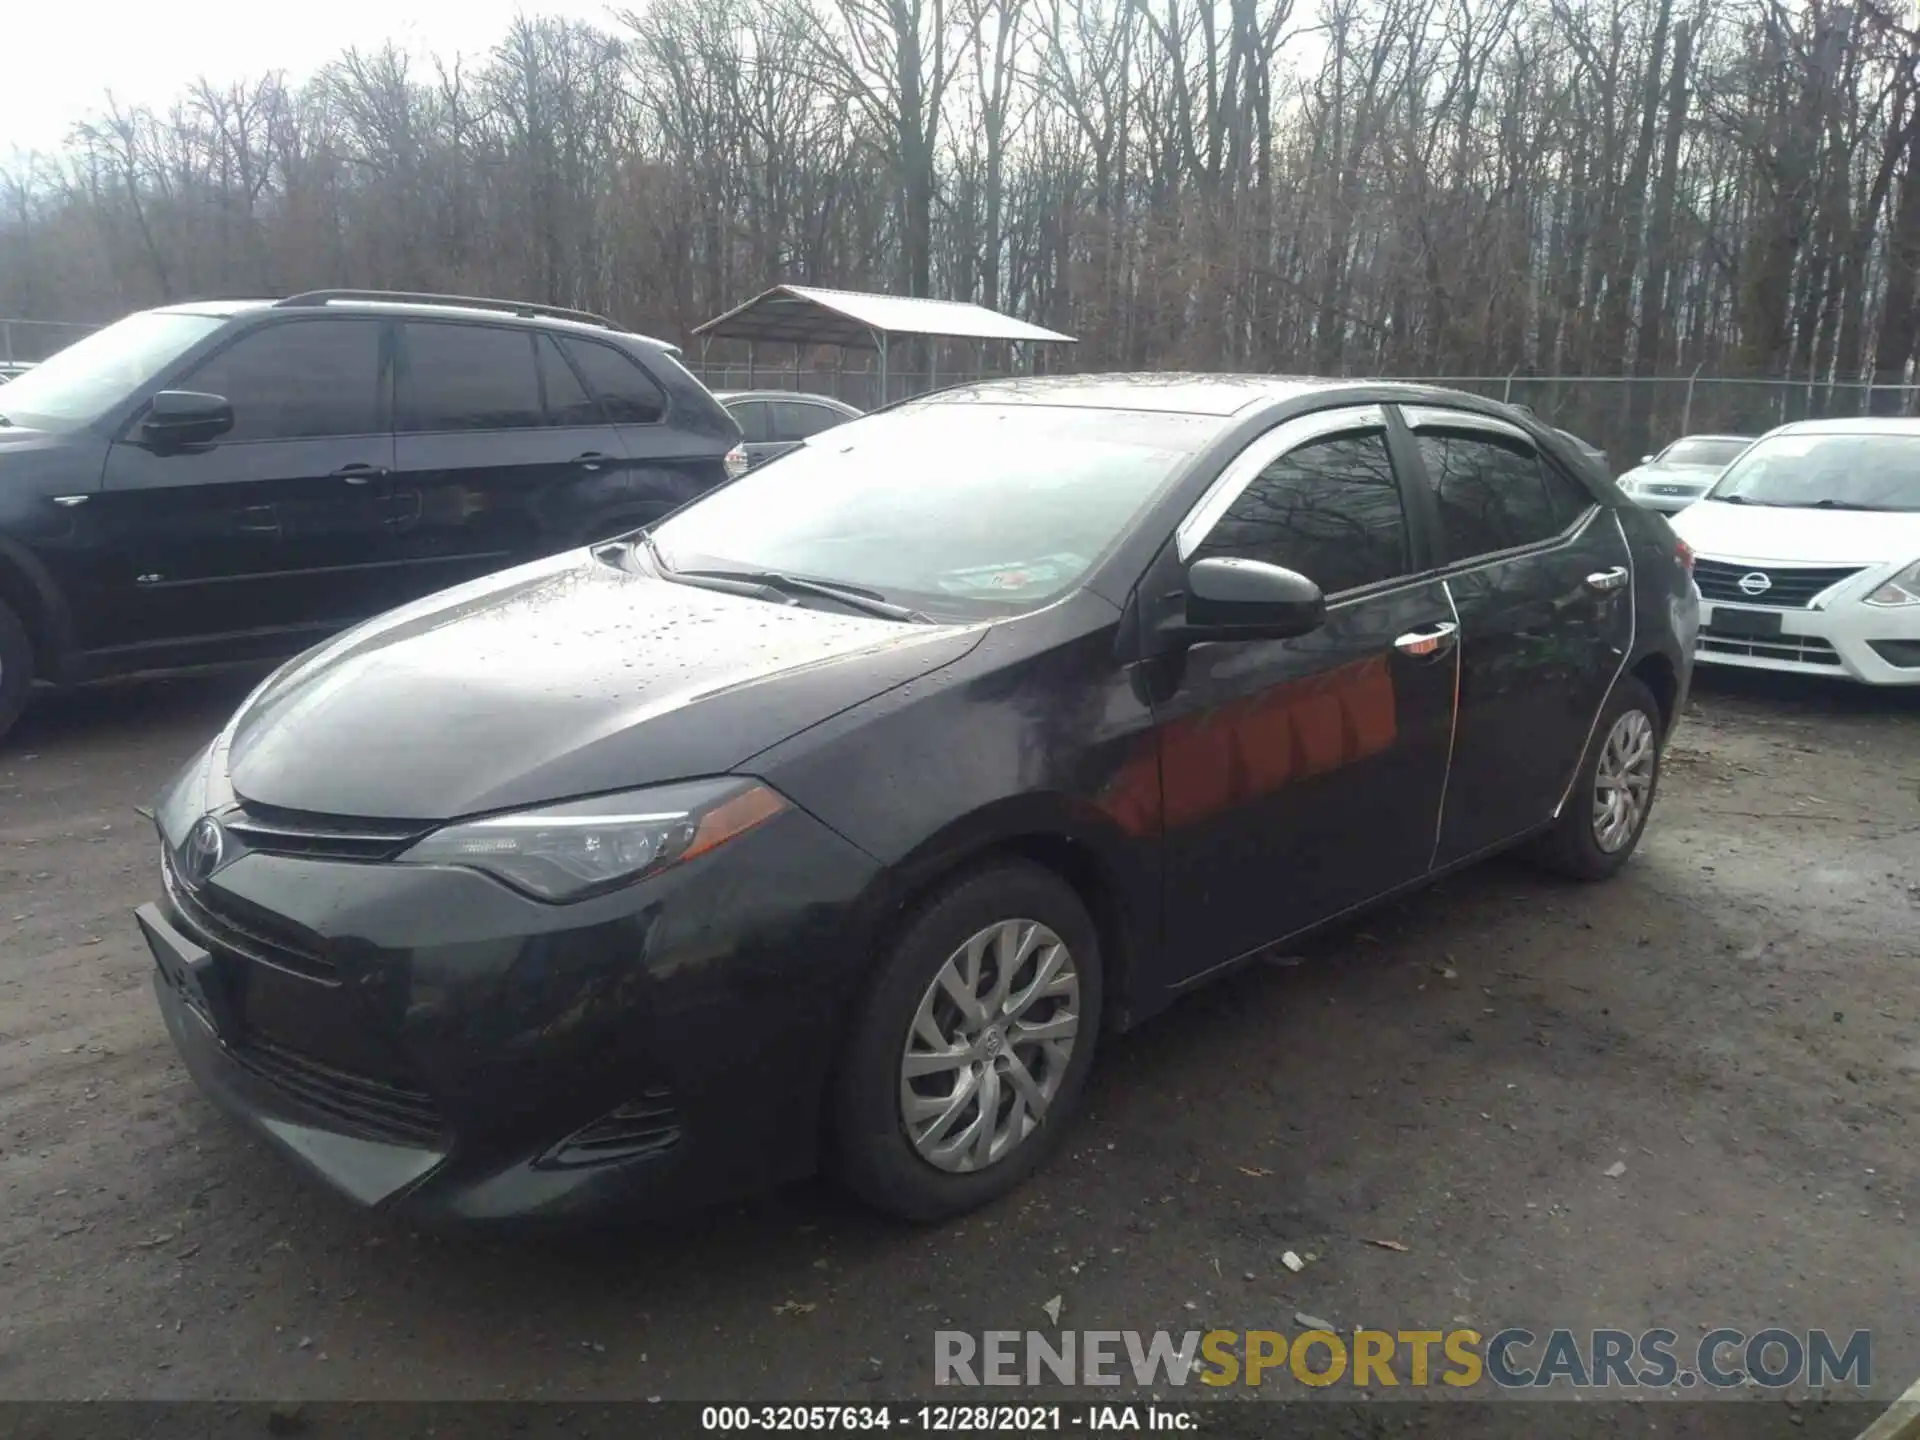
[567,400]
[797,419]
[1329,509]
[298,380]
[755,422]
[1495,492]
[626,392]
[469,377]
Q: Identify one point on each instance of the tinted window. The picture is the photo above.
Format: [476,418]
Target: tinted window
[298,380]
[567,400]
[1329,510]
[469,377]
[625,391]
[796,419]
[753,420]
[1494,492]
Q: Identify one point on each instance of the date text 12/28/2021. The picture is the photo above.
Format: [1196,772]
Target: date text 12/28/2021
[947,1419]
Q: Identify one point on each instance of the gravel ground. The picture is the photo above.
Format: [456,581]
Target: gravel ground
[1734,1020]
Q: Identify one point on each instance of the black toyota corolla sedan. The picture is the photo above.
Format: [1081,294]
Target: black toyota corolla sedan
[830,821]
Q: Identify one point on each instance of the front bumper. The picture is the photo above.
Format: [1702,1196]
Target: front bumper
[1855,641]
[425,1040]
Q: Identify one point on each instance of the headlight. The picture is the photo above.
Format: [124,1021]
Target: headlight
[588,847]
[1902,589]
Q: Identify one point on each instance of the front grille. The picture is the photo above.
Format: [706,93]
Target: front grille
[215,922]
[1801,649]
[372,1109]
[1789,587]
[271,830]
[640,1128]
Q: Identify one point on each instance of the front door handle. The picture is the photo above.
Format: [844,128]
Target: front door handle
[1607,580]
[591,460]
[358,473]
[1428,640]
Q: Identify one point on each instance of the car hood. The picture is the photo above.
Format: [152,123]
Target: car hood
[563,678]
[1811,537]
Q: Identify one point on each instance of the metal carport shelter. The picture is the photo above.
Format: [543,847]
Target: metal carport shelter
[801,315]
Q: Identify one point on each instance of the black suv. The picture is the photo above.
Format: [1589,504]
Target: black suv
[234,480]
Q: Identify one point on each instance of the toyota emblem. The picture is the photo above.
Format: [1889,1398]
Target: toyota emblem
[206,847]
[1755,582]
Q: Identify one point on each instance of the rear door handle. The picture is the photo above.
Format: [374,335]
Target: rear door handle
[1607,580]
[358,473]
[1428,640]
[591,460]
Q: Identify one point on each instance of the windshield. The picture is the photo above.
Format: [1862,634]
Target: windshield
[79,384]
[1841,472]
[1703,452]
[961,509]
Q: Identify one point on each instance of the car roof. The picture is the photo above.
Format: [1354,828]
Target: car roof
[1859,425]
[225,309]
[1183,394]
[727,397]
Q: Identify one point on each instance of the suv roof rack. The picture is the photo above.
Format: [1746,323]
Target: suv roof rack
[465,302]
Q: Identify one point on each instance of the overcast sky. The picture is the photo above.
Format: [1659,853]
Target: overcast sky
[59,58]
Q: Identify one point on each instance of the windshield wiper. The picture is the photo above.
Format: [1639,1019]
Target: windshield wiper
[852,596]
[1831,504]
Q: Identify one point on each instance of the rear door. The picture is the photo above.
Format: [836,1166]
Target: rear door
[1540,575]
[1304,777]
[495,429]
[280,524]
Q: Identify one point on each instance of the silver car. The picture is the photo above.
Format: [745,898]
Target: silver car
[1683,472]
[772,422]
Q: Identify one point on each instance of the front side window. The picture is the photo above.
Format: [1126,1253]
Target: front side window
[469,377]
[800,419]
[968,509]
[298,380]
[1825,472]
[1494,492]
[1329,510]
[82,383]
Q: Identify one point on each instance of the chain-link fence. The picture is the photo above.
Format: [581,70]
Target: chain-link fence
[1620,414]
[26,342]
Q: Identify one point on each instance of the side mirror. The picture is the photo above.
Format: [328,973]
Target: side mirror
[186,417]
[1646,459]
[1233,599]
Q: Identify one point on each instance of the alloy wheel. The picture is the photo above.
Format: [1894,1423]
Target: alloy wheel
[1623,781]
[989,1046]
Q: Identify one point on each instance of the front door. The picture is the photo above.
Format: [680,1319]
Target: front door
[278,525]
[1541,576]
[1304,777]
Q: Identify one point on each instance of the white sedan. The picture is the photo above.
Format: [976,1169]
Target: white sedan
[1807,553]
[1683,472]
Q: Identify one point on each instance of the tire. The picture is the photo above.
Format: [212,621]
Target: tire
[877,1158]
[1580,846]
[16,668]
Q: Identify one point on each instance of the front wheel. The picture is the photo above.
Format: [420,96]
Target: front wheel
[1613,794]
[972,1047]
